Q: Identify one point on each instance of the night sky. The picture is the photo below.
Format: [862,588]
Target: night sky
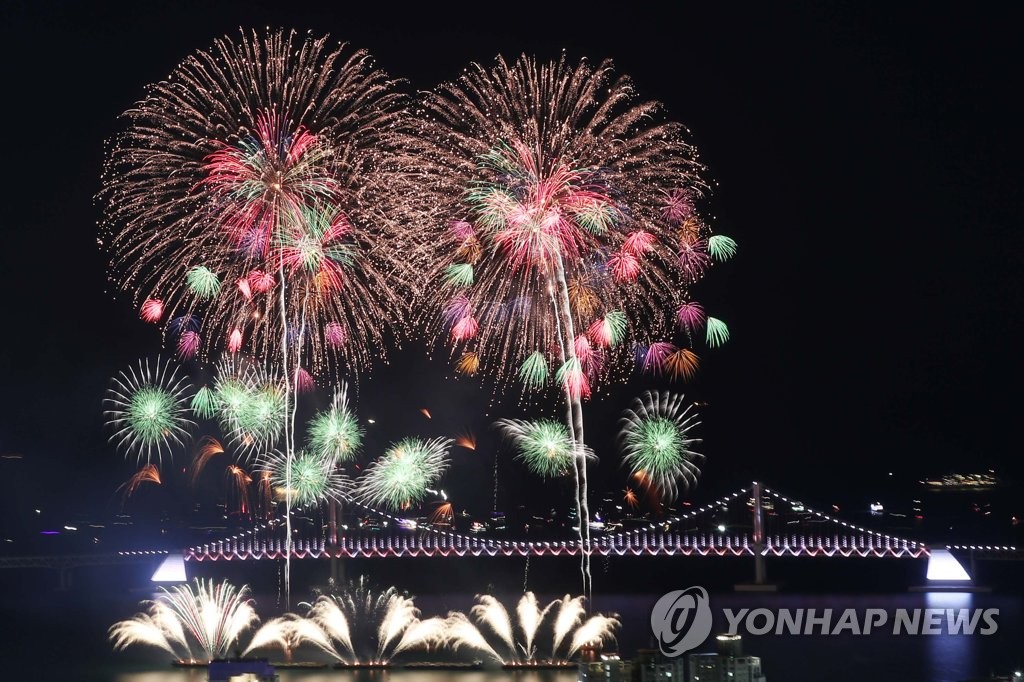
[867,161]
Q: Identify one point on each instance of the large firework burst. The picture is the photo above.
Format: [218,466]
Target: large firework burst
[571,221]
[246,200]
[402,476]
[147,409]
[656,442]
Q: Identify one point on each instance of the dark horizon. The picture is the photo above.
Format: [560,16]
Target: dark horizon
[862,160]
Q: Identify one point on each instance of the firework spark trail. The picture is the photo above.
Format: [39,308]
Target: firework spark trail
[530,617]
[238,485]
[374,627]
[142,629]
[570,614]
[655,439]
[491,612]
[288,633]
[326,612]
[214,615]
[147,474]
[495,631]
[596,629]
[208,448]
[461,632]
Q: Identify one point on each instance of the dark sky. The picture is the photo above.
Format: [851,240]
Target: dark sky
[867,161]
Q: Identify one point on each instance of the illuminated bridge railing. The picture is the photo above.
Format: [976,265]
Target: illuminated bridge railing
[443,544]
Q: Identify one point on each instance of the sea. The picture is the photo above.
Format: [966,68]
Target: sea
[54,634]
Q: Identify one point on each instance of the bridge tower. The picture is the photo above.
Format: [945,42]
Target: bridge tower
[337,567]
[759,570]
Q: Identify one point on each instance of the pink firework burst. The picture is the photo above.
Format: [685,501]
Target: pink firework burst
[625,266]
[465,328]
[188,345]
[693,257]
[245,287]
[303,381]
[261,282]
[690,316]
[591,358]
[458,308]
[678,205]
[235,340]
[152,310]
[655,357]
[639,242]
[461,230]
[334,334]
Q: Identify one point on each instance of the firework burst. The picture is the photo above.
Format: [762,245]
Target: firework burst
[334,433]
[563,203]
[656,442]
[147,410]
[402,476]
[210,616]
[544,445]
[250,190]
[313,478]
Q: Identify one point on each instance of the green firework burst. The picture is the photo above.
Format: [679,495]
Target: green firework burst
[716,331]
[459,275]
[203,282]
[544,445]
[335,433]
[403,475]
[656,442]
[534,370]
[722,248]
[314,478]
[147,409]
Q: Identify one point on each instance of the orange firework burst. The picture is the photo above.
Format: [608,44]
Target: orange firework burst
[147,474]
[238,487]
[630,498]
[469,363]
[208,448]
[444,514]
[466,440]
[682,364]
[425,412]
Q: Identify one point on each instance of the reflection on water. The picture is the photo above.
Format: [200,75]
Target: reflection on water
[948,653]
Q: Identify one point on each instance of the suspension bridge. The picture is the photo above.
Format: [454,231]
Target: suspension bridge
[756,521]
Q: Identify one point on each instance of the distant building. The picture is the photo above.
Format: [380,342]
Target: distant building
[609,668]
[728,664]
[651,666]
